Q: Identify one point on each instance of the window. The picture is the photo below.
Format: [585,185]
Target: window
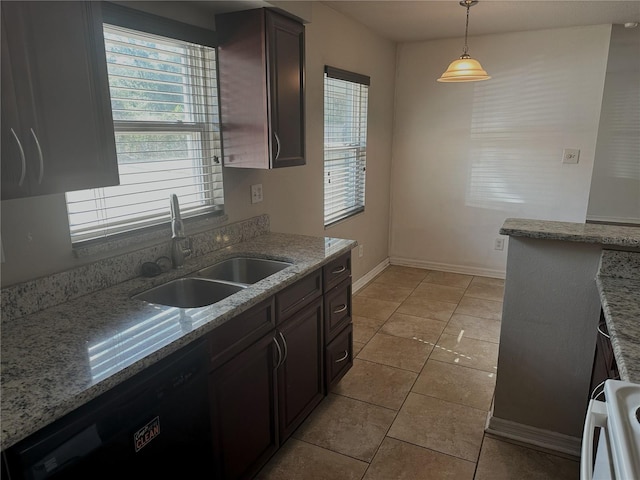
[166,120]
[345,143]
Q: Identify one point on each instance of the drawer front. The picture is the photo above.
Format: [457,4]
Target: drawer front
[231,338]
[296,296]
[337,309]
[336,271]
[339,356]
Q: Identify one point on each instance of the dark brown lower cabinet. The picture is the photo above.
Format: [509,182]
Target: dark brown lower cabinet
[300,375]
[244,411]
[261,391]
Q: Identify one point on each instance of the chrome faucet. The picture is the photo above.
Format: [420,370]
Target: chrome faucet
[177,234]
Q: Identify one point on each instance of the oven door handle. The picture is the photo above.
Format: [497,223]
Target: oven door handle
[596,417]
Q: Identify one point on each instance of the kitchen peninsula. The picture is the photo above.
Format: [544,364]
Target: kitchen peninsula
[560,276]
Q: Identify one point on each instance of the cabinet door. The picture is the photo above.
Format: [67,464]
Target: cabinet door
[300,377]
[58,68]
[244,417]
[285,39]
[14,168]
[68,69]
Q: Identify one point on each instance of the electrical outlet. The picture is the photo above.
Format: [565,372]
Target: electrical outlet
[499,244]
[570,155]
[256,193]
[360,251]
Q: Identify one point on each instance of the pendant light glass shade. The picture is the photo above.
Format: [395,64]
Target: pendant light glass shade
[465,69]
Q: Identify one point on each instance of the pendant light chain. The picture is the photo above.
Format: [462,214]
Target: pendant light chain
[466,31]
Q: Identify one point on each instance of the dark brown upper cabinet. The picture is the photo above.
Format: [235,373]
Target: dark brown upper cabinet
[261,71]
[57,127]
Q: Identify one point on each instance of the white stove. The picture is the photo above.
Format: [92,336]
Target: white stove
[618,454]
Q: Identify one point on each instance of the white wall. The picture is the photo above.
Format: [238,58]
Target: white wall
[35,233]
[467,156]
[615,186]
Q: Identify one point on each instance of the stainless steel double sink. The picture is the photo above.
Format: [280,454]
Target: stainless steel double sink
[213,283]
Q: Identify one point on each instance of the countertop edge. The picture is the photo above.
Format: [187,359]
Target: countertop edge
[609,235]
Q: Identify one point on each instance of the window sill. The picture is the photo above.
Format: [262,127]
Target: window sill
[344,219]
[144,236]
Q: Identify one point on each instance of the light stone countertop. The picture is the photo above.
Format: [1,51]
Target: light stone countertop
[606,235]
[619,285]
[58,359]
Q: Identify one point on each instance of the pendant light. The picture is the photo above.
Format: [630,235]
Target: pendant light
[465,69]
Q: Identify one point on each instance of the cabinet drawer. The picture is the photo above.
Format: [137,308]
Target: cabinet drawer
[298,295]
[339,356]
[337,309]
[233,337]
[336,271]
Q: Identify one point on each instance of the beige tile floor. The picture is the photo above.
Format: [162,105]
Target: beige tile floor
[415,403]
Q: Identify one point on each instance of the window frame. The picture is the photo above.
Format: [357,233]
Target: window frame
[356,168]
[146,23]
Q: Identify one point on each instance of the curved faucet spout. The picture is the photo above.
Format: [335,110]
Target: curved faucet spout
[177,228]
[177,233]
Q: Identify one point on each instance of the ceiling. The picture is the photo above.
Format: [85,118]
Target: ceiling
[417,20]
[406,21]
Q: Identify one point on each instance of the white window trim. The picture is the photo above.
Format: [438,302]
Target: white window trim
[358,169]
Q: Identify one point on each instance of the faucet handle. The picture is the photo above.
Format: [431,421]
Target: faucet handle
[189,250]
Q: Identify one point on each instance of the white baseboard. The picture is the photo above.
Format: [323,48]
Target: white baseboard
[545,440]
[362,281]
[447,267]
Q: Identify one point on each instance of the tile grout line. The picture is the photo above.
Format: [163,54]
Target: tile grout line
[409,391]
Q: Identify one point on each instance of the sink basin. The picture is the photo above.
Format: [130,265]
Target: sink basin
[188,292]
[244,270]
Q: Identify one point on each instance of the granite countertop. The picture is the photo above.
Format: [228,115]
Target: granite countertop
[58,359]
[619,285]
[608,235]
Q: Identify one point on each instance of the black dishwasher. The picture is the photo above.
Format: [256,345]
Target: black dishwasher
[154,425]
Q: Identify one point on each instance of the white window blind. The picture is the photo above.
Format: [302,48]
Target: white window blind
[166,118]
[345,143]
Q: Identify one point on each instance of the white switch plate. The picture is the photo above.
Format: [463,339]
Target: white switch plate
[256,193]
[570,155]
[360,251]
[499,244]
